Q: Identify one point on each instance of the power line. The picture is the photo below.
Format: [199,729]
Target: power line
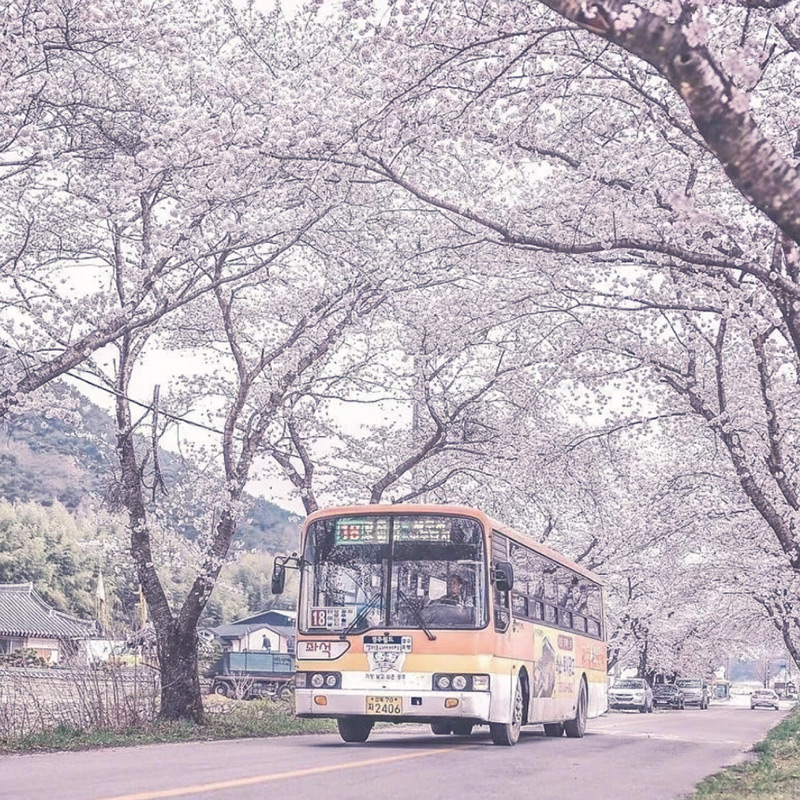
[146,406]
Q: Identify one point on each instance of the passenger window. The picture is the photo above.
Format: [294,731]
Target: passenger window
[519,605]
[550,583]
[502,612]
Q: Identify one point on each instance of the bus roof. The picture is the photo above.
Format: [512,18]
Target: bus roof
[492,524]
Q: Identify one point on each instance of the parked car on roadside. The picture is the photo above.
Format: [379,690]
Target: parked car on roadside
[695,691]
[763,698]
[634,693]
[668,694]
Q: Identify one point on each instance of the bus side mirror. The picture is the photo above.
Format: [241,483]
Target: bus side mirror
[504,576]
[278,578]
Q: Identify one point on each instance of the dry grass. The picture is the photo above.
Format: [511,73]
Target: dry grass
[35,701]
[87,708]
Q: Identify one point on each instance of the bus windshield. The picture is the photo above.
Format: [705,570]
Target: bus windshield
[393,571]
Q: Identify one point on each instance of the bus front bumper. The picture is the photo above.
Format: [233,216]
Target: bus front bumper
[416,706]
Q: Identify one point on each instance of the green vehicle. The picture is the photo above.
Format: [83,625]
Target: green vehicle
[247,675]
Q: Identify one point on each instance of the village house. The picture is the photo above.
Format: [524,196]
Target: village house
[267,630]
[26,621]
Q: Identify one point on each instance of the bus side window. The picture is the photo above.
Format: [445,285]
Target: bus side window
[502,611]
[519,605]
[502,615]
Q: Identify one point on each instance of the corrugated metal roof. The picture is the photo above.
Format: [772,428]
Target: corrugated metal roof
[24,613]
[273,616]
[236,630]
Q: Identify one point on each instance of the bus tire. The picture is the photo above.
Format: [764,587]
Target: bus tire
[553,729]
[507,733]
[441,728]
[221,689]
[575,728]
[353,729]
[461,728]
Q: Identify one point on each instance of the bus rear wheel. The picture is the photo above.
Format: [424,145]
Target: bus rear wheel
[461,728]
[575,728]
[352,729]
[441,728]
[507,733]
[553,729]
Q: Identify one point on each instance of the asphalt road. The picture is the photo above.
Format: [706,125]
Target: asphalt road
[624,756]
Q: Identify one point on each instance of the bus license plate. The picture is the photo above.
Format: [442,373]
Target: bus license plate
[389,706]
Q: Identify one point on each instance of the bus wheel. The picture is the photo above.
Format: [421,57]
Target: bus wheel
[575,728]
[507,733]
[352,729]
[462,728]
[554,729]
[221,689]
[441,728]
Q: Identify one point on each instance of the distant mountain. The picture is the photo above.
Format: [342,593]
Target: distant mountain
[44,459]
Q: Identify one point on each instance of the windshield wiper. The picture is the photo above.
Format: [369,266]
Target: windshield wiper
[417,616]
[360,616]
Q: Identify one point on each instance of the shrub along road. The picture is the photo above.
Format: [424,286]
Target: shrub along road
[624,755]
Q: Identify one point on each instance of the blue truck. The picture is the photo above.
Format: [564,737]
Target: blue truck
[249,674]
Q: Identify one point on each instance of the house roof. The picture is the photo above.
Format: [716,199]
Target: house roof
[236,630]
[273,616]
[24,613]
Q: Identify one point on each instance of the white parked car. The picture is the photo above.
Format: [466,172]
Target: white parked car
[764,698]
[632,693]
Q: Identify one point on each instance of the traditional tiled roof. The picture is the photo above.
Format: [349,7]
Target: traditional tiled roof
[24,613]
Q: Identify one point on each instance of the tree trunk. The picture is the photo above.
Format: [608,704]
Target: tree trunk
[643,660]
[180,684]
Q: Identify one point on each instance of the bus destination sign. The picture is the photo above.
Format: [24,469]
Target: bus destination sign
[422,529]
[362,530]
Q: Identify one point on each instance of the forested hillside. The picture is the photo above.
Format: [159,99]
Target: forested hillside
[44,459]
[59,528]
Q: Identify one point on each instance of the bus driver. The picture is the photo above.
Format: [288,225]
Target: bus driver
[451,608]
[454,595]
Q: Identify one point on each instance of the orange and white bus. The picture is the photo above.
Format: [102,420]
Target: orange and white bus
[441,615]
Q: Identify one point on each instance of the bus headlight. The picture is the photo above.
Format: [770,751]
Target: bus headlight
[317,680]
[459,683]
[480,683]
[443,682]
[330,681]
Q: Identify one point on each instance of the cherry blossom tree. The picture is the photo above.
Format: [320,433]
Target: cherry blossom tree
[154,200]
[647,152]
[129,165]
[447,373]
